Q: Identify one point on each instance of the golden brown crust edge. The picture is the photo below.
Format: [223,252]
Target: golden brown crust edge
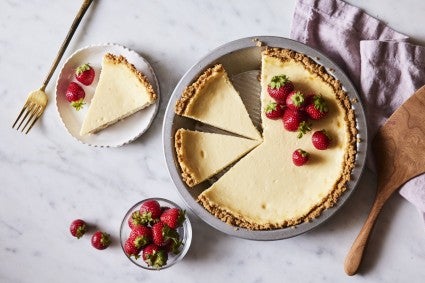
[119,59]
[349,158]
[191,90]
[187,174]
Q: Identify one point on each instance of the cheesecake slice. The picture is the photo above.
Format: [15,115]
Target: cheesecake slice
[265,190]
[213,100]
[121,91]
[202,155]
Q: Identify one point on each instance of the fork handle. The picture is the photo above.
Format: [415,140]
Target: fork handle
[73,28]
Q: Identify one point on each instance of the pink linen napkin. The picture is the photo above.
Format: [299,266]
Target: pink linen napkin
[384,67]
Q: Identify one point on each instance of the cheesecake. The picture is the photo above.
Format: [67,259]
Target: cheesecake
[265,190]
[202,155]
[213,100]
[122,90]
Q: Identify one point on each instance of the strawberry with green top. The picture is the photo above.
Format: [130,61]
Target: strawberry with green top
[85,74]
[75,95]
[300,157]
[135,220]
[321,139]
[131,250]
[140,236]
[150,211]
[295,100]
[162,234]
[292,119]
[173,217]
[279,88]
[100,240]
[78,228]
[316,108]
[154,256]
[274,111]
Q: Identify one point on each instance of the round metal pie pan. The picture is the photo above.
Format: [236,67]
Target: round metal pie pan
[241,56]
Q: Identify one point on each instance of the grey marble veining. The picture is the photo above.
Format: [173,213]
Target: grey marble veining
[49,179]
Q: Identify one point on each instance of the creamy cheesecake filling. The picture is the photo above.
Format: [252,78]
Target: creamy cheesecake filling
[202,155]
[264,190]
[121,91]
[213,94]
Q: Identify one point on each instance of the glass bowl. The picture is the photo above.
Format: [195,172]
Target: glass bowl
[184,231]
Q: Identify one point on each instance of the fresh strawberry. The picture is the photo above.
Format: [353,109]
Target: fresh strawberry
[173,217]
[131,250]
[321,139]
[273,111]
[317,108]
[150,211]
[135,220]
[85,74]
[100,240]
[75,94]
[295,100]
[292,119]
[154,256]
[162,234]
[279,87]
[78,228]
[140,236]
[300,157]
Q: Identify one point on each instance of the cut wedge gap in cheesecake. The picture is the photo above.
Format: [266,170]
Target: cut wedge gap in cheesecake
[247,84]
[122,90]
[202,155]
[213,100]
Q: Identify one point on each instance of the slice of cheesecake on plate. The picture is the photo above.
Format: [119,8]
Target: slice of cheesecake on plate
[121,91]
[201,155]
[213,100]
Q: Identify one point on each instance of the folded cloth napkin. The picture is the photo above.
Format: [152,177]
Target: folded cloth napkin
[385,68]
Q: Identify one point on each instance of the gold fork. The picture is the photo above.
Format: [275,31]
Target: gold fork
[37,99]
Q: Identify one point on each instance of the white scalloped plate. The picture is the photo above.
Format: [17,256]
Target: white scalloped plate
[126,130]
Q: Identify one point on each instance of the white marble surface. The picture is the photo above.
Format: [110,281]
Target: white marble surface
[48,178]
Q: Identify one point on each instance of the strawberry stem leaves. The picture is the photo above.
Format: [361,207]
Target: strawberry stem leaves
[303,128]
[81,69]
[320,103]
[278,81]
[78,104]
[298,98]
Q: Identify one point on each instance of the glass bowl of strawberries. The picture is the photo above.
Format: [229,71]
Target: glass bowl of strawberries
[155,233]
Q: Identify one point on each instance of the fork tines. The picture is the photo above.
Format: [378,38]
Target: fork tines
[31,112]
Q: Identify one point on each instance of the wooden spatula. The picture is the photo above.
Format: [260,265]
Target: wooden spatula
[399,149]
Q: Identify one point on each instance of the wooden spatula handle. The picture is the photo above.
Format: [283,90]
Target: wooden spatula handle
[354,256]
